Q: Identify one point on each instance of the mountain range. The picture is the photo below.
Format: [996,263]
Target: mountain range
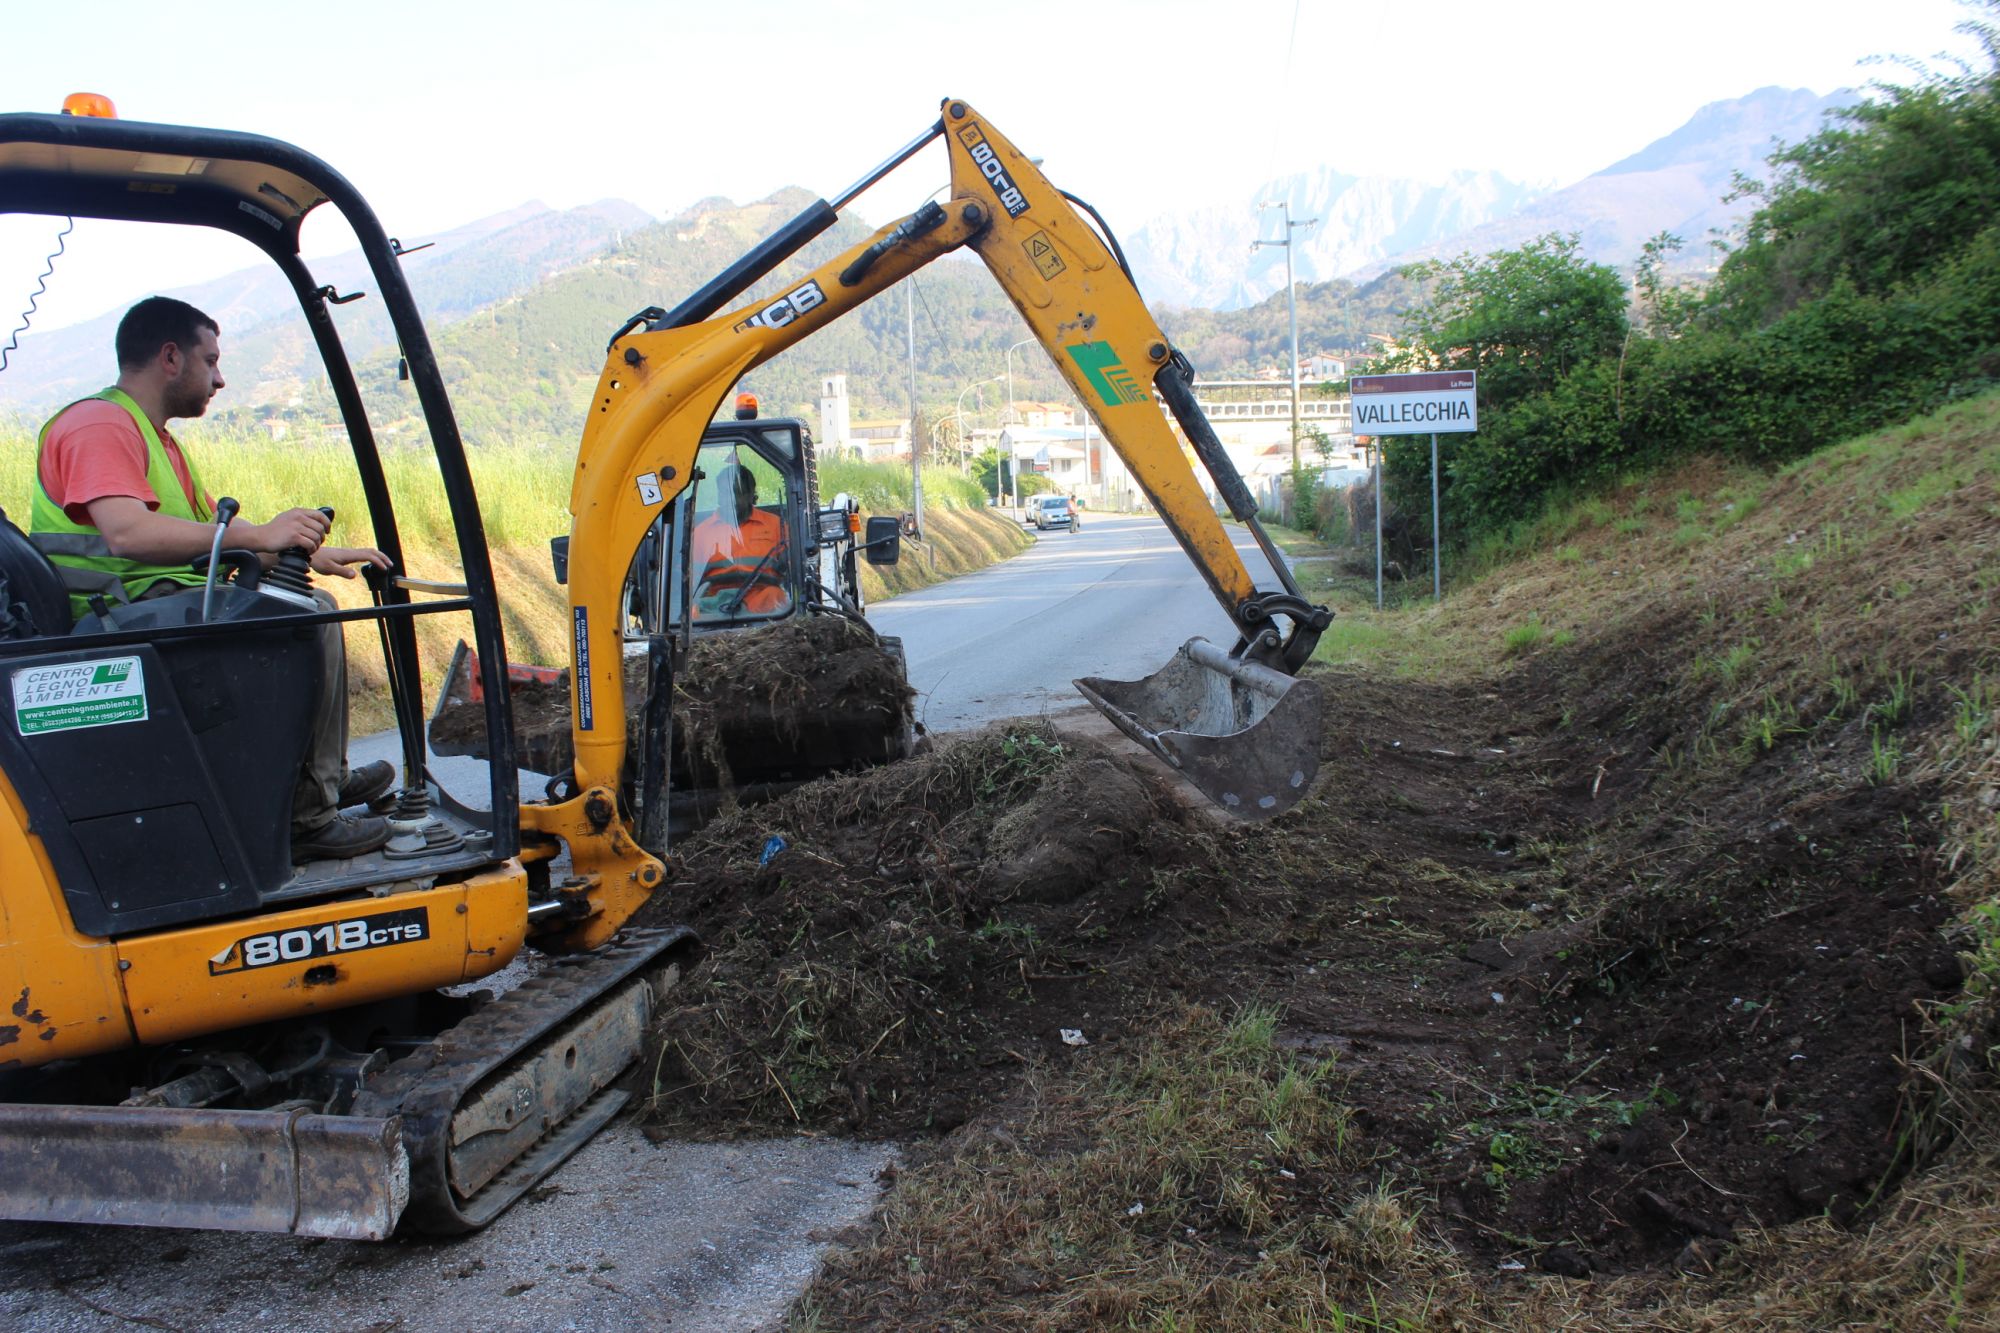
[1368,225]
[270,350]
[519,303]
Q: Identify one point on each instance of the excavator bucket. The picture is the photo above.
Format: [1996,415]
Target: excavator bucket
[1246,735]
[757,712]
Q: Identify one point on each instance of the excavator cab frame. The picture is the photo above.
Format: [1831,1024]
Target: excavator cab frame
[262,190]
[273,1032]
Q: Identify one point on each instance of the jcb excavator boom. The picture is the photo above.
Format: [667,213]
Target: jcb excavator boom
[1234,720]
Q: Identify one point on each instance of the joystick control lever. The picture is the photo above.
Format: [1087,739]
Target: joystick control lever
[292,576]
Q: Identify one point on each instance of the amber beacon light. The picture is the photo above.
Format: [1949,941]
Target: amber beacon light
[89,104]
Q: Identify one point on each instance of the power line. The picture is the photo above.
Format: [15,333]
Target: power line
[1291,46]
[943,346]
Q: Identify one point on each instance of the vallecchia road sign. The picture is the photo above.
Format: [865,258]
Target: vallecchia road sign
[1432,402]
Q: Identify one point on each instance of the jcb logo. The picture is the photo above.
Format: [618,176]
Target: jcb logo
[785,309]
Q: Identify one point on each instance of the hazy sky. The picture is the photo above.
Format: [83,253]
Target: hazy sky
[443,111]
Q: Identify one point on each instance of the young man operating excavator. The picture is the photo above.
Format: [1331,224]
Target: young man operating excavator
[120,510]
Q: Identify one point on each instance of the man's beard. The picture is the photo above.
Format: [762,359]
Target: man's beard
[186,400]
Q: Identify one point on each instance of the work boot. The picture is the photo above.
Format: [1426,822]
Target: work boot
[364,784]
[342,837]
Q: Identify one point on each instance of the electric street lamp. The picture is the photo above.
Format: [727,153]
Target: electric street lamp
[1291,305]
[1013,459]
[958,414]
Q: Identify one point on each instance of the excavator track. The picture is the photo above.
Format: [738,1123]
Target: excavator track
[495,1103]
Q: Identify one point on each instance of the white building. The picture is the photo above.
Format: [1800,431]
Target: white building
[835,425]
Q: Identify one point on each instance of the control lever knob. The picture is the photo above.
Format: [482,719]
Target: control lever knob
[294,568]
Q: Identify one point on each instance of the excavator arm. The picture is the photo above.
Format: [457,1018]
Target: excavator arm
[1234,720]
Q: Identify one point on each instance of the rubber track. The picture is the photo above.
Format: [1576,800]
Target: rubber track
[428,1086]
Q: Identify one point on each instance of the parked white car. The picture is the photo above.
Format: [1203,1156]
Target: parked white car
[1056,511]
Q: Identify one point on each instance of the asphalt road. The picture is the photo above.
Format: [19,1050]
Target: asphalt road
[693,1237]
[1115,599]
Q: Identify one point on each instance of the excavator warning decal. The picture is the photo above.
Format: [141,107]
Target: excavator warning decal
[1100,365]
[1043,254]
[586,714]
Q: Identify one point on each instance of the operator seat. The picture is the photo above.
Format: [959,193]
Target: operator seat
[33,601]
[181,810]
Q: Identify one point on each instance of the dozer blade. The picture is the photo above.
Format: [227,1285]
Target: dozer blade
[1246,735]
[342,1177]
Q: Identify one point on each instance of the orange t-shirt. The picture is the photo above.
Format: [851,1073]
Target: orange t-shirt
[94,449]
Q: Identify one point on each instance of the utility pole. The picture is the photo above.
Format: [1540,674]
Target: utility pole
[1291,305]
[958,412]
[1013,459]
[916,450]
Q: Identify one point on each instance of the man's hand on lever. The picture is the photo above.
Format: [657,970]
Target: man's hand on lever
[303,528]
[339,559]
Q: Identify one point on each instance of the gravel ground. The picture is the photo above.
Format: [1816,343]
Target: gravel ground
[692,1237]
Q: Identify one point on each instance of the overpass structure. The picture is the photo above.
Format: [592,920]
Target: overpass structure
[1235,402]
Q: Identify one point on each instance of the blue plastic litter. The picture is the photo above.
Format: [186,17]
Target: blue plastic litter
[772,846]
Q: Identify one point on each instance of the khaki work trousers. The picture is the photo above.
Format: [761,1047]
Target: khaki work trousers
[316,800]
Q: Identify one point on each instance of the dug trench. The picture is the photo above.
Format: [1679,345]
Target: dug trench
[1593,1015]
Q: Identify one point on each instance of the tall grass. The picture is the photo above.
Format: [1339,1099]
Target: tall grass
[523,489]
[883,488]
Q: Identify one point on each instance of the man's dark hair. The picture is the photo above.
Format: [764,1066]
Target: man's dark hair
[153,323]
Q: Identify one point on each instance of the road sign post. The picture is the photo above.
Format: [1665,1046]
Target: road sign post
[1431,402]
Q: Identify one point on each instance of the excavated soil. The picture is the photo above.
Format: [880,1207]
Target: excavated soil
[810,694]
[1596,1017]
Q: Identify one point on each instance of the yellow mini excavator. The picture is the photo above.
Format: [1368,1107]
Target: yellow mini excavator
[201,1033]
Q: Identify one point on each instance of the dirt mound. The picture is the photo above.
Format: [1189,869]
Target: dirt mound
[808,695]
[1589,1026]
[887,948]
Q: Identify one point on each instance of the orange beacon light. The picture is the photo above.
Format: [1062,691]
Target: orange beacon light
[89,104]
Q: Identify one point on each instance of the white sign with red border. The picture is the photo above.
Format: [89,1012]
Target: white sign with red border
[1432,402]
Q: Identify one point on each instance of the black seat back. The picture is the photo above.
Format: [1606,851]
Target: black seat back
[33,600]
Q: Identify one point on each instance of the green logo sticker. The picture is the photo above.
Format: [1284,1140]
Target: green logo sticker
[76,695]
[1100,365]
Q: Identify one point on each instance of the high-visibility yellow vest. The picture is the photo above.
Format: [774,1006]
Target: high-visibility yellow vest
[80,553]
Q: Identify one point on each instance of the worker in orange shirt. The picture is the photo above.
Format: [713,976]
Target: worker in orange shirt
[739,553]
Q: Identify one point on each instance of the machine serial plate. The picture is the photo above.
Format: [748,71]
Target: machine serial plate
[331,937]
